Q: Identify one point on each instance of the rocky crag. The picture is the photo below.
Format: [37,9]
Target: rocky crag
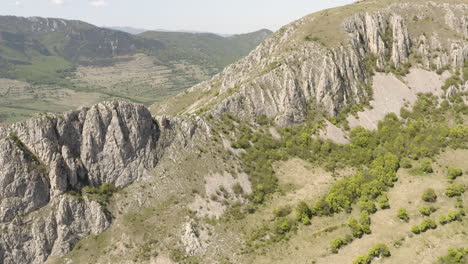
[296,67]
[47,161]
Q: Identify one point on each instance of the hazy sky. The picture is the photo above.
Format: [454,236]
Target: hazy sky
[220,16]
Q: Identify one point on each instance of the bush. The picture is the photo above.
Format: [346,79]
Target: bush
[282,211]
[453,173]
[382,200]
[425,211]
[453,190]
[415,229]
[455,256]
[363,259]
[365,221]
[303,213]
[426,165]
[429,195]
[454,216]
[406,163]
[368,205]
[403,214]
[443,219]
[427,224]
[101,194]
[356,229]
[379,250]
[340,242]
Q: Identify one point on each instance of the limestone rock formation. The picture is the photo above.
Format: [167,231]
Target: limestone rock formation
[44,158]
[284,75]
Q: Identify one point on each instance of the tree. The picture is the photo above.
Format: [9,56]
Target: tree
[429,195]
[403,214]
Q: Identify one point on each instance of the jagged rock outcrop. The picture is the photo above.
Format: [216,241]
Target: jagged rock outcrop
[286,74]
[43,158]
[51,232]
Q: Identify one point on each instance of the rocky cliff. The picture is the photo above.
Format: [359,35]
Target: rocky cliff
[44,159]
[46,162]
[297,66]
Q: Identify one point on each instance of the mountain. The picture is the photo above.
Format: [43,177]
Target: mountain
[95,63]
[342,138]
[207,47]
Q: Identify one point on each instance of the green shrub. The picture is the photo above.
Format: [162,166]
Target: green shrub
[365,221]
[403,214]
[282,211]
[340,242]
[356,229]
[443,219]
[427,224]
[382,200]
[453,190]
[406,163]
[101,194]
[415,229]
[363,259]
[426,165]
[379,250]
[454,216]
[303,213]
[454,256]
[424,210]
[453,173]
[429,195]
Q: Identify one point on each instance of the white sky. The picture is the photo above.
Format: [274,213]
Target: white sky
[219,16]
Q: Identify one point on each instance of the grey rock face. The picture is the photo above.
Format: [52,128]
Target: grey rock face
[51,232]
[41,159]
[284,75]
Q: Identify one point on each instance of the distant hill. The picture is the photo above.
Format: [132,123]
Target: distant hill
[205,47]
[92,60]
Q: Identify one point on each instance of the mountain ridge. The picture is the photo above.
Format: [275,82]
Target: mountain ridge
[225,172]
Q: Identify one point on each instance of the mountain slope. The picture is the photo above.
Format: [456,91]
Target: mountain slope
[247,171]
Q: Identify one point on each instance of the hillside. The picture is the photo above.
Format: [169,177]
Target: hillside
[59,59]
[342,138]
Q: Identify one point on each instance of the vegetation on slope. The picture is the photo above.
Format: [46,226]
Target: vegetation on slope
[415,138]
